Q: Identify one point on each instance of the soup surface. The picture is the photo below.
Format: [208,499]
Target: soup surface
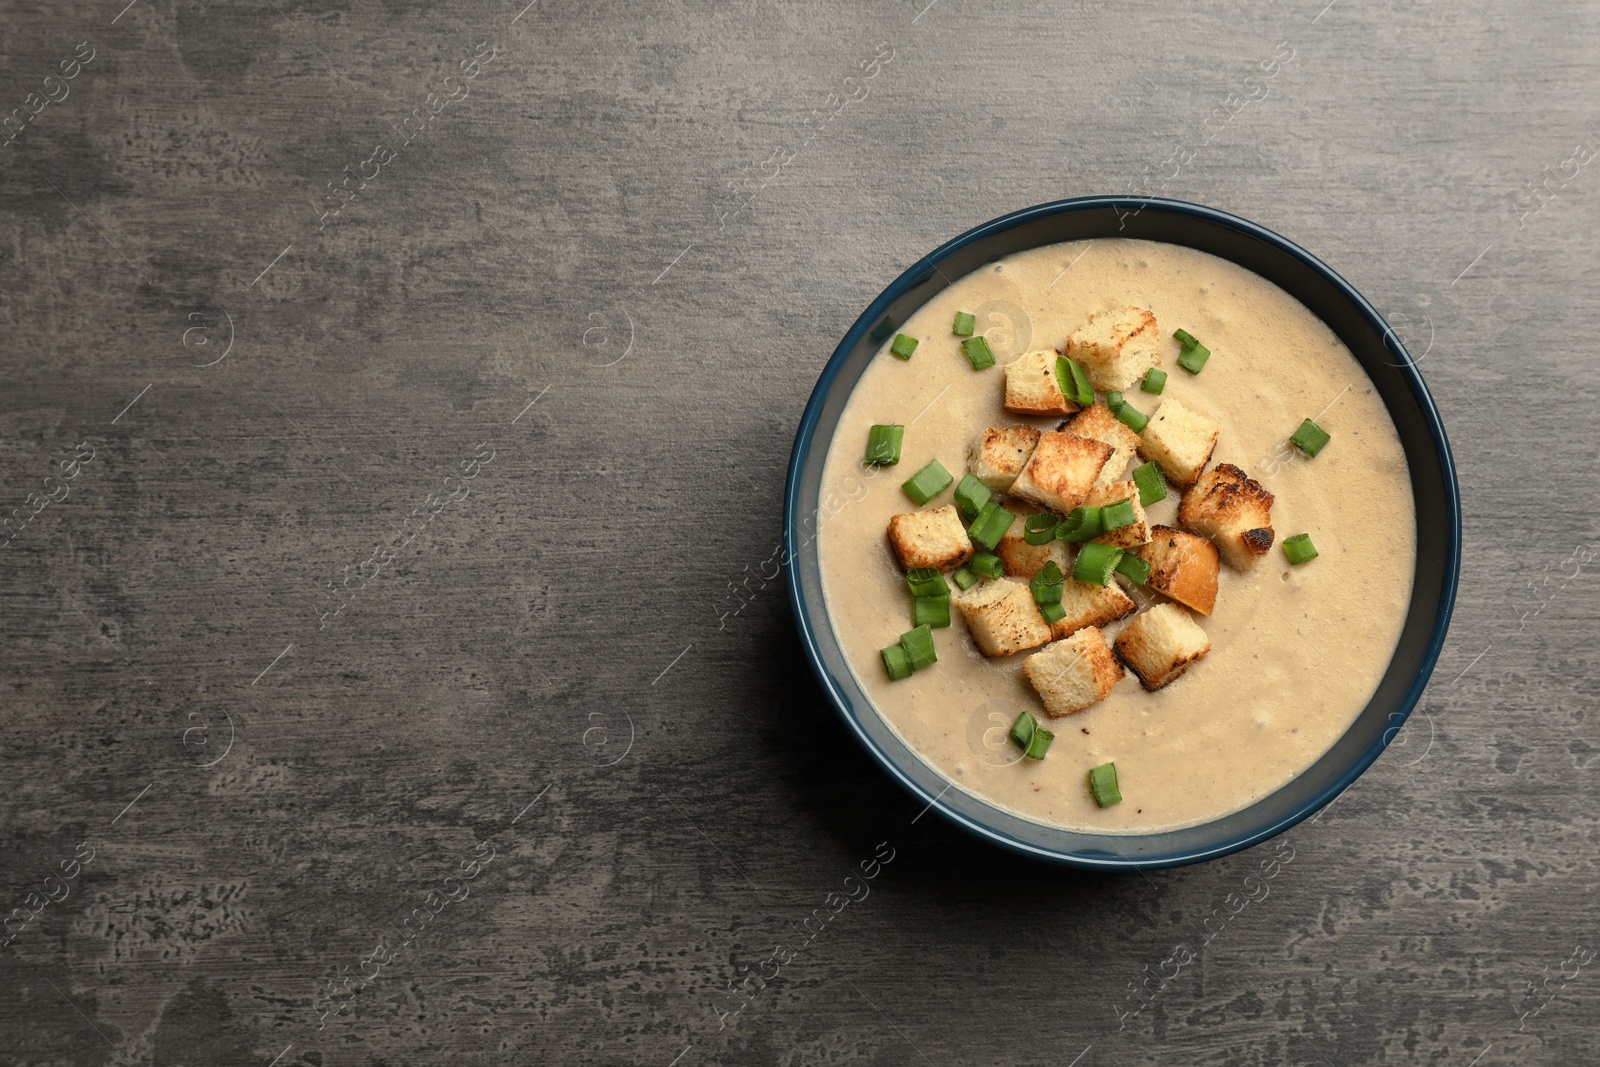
[1296,651]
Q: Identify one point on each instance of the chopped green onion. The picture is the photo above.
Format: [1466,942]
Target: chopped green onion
[1103,784]
[918,644]
[963,577]
[883,444]
[1132,418]
[1047,584]
[1299,548]
[1184,338]
[1116,516]
[928,482]
[990,525]
[1194,354]
[989,566]
[1114,401]
[925,581]
[1074,382]
[971,496]
[1151,482]
[1033,739]
[1052,613]
[1154,381]
[1095,563]
[1310,438]
[1039,529]
[1081,524]
[964,324]
[897,662]
[978,354]
[1135,567]
[903,345]
[930,610]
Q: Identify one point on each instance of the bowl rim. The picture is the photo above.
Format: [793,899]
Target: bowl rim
[913,275]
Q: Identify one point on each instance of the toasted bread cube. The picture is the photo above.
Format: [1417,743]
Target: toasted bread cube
[1161,643]
[1031,386]
[1183,566]
[1023,560]
[1098,423]
[1000,453]
[1234,510]
[936,539]
[1090,605]
[1002,617]
[1125,537]
[1071,674]
[1061,470]
[1116,347]
[1180,440]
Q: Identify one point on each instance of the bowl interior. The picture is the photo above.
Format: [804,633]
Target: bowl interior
[1385,361]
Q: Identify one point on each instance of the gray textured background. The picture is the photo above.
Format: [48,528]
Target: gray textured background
[652,222]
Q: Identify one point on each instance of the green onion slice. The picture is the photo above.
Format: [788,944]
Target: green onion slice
[883,444]
[1047,584]
[1132,418]
[1135,567]
[1310,438]
[1095,563]
[1103,784]
[897,662]
[1039,743]
[978,353]
[1151,482]
[925,581]
[1081,524]
[989,566]
[928,482]
[930,611]
[1022,730]
[964,325]
[963,577]
[1074,382]
[1184,338]
[1039,529]
[1052,613]
[1114,401]
[1299,548]
[1193,357]
[1116,516]
[990,525]
[971,496]
[1154,381]
[904,345]
[918,644]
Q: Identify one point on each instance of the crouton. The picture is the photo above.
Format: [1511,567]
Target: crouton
[1125,537]
[1116,347]
[1070,675]
[1023,560]
[936,539]
[1002,617]
[1161,643]
[1234,510]
[1183,566]
[1098,423]
[1089,605]
[1061,470]
[1031,386]
[1180,440]
[1000,453]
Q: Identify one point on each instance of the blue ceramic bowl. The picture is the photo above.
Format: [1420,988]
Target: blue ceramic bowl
[1386,362]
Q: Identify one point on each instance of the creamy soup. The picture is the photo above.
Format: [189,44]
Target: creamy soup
[1296,651]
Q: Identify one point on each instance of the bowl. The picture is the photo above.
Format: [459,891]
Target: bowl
[1381,354]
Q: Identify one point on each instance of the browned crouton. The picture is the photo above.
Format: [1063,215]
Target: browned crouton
[1098,423]
[1183,566]
[1023,560]
[1089,605]
[1070,675]
[1180,440]
[1000,453]
[1232,509]
[1125,537]
[1002,617]
[1061,470]
[1161,644]
[1116,347]
[936,538]
[1031,386]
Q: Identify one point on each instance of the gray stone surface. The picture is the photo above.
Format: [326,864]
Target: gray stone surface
[590,267]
